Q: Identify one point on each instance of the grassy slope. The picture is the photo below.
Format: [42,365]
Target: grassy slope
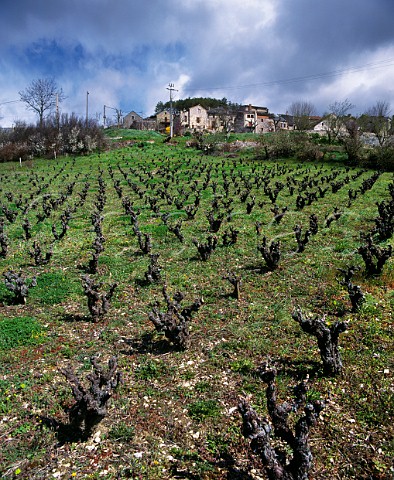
[175,413]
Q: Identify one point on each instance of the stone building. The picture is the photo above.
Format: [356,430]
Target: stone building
[195,118]
[253,119]
[131,120]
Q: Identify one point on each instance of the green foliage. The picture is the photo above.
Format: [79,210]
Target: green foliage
[217,444]
[187,103]
[381,157]
[5,294]
[53,288]
[18,331]
[279,144]
[202,386]
[149,370]
[196,467]
[6,396]
[122,432]
[244,366]
[375,405]
[202,409]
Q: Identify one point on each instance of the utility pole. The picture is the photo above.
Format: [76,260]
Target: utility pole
[171,89]
[119,116]
[87,109]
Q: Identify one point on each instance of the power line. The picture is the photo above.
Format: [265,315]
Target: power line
[10,101]
[335,73]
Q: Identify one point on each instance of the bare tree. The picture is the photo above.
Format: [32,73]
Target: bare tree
[335,119]
[41,96]
[301,112]
[226,116]
[377,120]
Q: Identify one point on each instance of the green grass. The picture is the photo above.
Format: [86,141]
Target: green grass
[126,134]
[203,409]
[182,404]
[53,288]
[122,432]
[18,331]
[149,370]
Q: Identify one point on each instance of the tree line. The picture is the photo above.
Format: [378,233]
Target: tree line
[206,102]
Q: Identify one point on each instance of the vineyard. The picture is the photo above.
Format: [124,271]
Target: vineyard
[167,314]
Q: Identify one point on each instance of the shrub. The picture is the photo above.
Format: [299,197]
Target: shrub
[13,152]
[38,256]
[4,243]
[356,296]
[236,282]
[309,151]
[153,274]
[271,253]
[381,158]
[206,249]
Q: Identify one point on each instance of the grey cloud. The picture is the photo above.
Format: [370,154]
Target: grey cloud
[215,43]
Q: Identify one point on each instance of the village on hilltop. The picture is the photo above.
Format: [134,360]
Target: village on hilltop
[243,119]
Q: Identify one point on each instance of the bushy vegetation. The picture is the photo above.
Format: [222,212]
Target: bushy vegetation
[53,137]
[250,254]
[314,146]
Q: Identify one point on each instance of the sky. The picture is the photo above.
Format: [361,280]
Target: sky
[125,53]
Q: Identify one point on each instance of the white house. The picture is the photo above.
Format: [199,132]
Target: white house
[195,118]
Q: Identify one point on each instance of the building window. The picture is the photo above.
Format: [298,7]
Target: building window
[198,119]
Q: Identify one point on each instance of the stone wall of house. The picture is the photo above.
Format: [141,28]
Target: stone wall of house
[131,119]
[198,118]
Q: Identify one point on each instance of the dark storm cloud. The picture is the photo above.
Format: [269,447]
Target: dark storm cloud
[310,38]
[97,23]
[337,31]
[126,52]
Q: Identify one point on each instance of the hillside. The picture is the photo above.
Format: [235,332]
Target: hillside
[149,216]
